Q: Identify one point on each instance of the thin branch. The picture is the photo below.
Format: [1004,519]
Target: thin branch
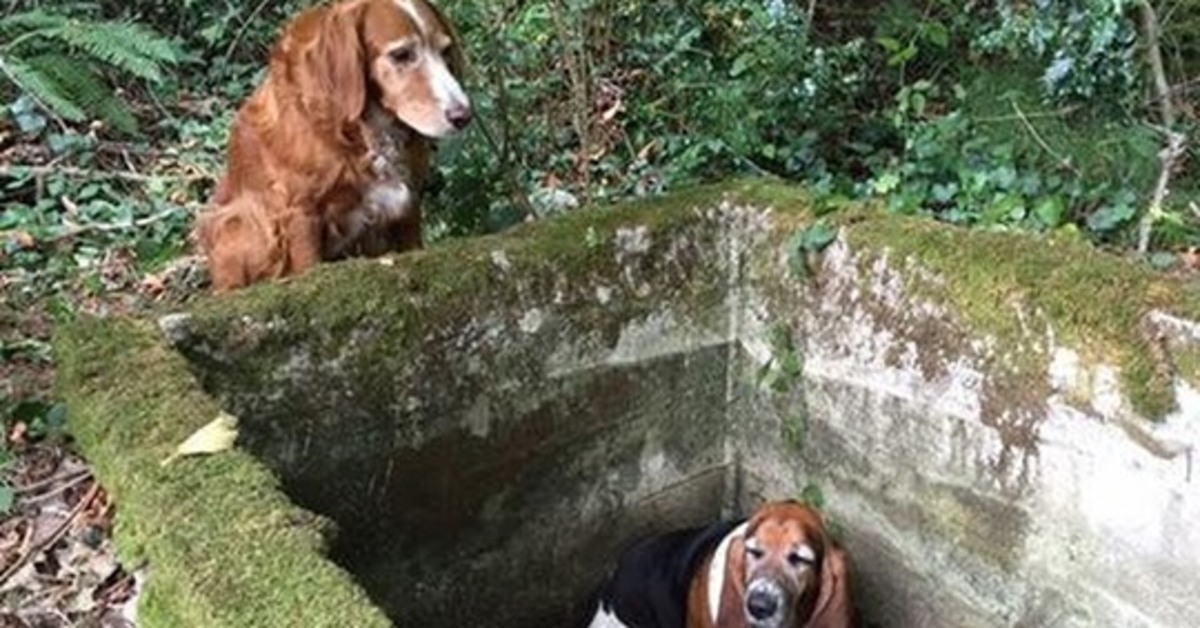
[38,101]
[237,39]
[17,170]
[1176,142]
[34,487]
[74,230]
[65,486]
[53,538]
[1157,70]
[1030,115]
[1037,137]
[1169,156]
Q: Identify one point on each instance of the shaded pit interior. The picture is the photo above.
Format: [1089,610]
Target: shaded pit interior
[508,514]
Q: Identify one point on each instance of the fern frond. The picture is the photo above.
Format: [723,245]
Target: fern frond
[43,88]
[26,21]
[85,88]
[126,47]
[143,40]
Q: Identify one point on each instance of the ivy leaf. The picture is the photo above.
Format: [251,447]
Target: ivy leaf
[797,261]
[1110,217]
[813,496]
[818,236]
[886,183]
[8,499]
[1162,260]
[812,239]
[1050,211]
[890,44]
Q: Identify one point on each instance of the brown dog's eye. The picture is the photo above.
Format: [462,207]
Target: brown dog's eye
[754,552]
[403,56]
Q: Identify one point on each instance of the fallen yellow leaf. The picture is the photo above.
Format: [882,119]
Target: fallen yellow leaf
[215,437]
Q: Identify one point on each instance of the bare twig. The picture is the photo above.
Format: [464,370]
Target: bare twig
[575,57]
[1061,112]
[43,106]
[237,39]
[65,486]
[34,487]
[16,170]
[1169,156]
[1158,71]
[1175,141]
[1037,137]
[74,230]
[59,532]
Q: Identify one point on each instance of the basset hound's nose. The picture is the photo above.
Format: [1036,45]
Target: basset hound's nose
[459,115]
[762,605]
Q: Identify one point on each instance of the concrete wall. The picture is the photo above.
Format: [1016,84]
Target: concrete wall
[485,461]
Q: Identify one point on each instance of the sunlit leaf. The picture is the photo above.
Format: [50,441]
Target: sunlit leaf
[217,436]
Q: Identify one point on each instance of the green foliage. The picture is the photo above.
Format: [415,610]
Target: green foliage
[811,239]
[1088,47]
[813,496]
[61,62]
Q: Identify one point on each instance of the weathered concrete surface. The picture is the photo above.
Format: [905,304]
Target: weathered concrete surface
[489,421]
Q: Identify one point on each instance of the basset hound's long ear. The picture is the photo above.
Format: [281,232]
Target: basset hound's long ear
[834,608]
[339,61]
[733,591]
[456,57]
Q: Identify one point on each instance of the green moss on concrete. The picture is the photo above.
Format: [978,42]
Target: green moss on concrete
[1093,302]
[223,545]
[402,303]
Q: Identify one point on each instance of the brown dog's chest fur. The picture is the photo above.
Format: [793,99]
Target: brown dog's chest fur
[378,208]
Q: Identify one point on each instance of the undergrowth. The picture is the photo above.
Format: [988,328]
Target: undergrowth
[997,114]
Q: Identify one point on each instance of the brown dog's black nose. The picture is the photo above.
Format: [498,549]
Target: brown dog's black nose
[459,116]
[761,605]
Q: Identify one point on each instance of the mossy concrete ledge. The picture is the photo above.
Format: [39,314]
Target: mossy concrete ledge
[1001,425]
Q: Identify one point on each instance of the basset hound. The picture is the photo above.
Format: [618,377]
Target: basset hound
[778,569]
[330,156]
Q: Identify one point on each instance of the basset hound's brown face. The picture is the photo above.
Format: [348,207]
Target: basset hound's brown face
[785,545]
[402,53]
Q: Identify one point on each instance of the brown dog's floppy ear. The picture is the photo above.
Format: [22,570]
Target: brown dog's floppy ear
[340,64]
[456,57]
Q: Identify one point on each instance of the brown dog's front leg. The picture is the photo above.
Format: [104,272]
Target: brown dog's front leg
[302,232]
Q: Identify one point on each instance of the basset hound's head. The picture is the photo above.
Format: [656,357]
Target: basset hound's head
[786,571]
[404,54]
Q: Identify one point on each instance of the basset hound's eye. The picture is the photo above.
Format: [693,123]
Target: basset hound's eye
[754,552]
[797,560]
[403,55]
[804,556]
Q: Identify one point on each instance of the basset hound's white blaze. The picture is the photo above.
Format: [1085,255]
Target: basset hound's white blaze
[717,568]
[605,619]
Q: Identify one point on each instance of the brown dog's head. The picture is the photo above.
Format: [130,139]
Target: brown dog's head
[786,565]
[404,53]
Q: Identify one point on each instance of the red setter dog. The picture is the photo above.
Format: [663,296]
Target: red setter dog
[330,155]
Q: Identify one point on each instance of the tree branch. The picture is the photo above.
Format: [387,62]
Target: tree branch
[1176,142]
[17,170]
